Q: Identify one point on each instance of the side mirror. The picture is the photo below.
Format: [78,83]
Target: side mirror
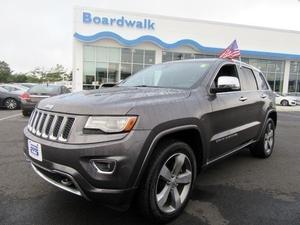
[226,84]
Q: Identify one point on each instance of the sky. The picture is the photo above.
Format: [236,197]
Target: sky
[38,33]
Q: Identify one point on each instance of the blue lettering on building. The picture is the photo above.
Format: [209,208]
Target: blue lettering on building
[122,21]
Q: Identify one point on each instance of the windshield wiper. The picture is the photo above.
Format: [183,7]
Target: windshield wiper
[143,85]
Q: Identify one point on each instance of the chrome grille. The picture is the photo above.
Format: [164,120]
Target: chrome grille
[51,126]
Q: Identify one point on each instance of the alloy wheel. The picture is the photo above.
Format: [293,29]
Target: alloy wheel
[174,183]
[269,138]
[11,103]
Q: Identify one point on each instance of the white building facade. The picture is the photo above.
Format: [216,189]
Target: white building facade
[109,46]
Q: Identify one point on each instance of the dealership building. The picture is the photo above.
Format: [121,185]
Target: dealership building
[109,46]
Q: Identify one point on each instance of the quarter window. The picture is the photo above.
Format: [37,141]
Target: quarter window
[261,81]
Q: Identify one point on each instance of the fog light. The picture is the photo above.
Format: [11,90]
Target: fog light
[104,166]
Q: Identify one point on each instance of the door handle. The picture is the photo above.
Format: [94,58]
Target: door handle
[263,95]
[243,99]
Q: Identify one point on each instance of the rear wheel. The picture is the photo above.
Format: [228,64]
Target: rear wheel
[264,147]
[284,103]
[168,183]
[11,103]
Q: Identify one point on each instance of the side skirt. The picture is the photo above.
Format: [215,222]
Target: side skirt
[229,153]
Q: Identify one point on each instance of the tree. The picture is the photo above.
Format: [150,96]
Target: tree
[32,79]
[56,73]
[38,73]
[19,78]
[69,76]
[5,72]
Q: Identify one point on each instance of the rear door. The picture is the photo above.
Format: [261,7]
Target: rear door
[254,101]
[2,95]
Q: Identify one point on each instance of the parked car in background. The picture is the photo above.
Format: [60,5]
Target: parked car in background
[9,100]
[285,100]
[296,96]
[28,85]
[105,85]
[13,88]
[38,92]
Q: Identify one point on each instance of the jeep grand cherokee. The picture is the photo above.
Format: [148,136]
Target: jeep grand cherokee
[147,138]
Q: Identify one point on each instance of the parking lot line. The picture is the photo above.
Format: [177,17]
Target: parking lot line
[8,117]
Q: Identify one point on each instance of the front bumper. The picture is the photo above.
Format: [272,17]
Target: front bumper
[72,162]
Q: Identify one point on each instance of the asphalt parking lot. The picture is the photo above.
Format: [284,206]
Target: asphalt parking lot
[240,190]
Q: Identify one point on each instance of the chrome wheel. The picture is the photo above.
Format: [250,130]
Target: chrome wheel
[269,139]
[174,183]
[11,103]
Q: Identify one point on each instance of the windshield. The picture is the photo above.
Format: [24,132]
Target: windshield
[45,90]
[169,75]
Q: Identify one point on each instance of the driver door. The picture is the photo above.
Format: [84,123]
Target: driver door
[229,112]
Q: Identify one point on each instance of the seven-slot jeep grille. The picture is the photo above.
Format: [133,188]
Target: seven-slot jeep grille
[51,126]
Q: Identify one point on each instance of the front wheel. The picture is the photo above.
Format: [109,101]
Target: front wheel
[168,183]
[284,103]
[264,147]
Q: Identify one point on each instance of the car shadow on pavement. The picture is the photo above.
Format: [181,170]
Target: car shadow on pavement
[63,208]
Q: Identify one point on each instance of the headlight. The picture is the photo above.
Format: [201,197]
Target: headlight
[111,124]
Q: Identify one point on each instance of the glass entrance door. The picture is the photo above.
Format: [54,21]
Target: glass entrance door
[113,72]
[101,72]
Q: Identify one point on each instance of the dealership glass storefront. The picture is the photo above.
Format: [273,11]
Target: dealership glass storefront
[273,69]
[109,64]
[294,80]
[172,56]
[110,45]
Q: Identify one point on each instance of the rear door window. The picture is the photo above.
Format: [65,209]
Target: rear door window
[249,80]
[10,88]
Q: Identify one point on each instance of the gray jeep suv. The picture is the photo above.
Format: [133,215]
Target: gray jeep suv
[148,137]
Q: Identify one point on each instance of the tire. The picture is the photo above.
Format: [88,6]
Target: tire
[264,147]
[11,103]
[164,182]
[25,113]
[284,103]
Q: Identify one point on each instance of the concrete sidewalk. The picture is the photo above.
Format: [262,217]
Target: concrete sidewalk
[288,108]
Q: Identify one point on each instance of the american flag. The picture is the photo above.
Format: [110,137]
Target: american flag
[231,52]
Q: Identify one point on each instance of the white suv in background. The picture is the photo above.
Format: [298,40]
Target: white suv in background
[285,100]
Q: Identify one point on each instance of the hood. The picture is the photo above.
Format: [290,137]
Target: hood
[110,101]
